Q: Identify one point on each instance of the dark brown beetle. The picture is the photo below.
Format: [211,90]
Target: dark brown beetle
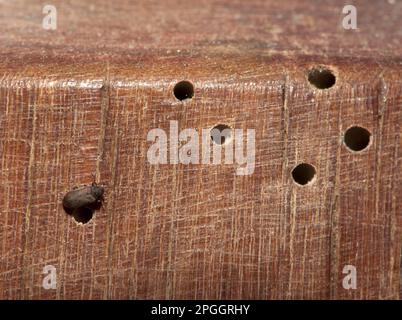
[83,197]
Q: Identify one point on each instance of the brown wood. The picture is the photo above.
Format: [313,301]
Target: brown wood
[80,100]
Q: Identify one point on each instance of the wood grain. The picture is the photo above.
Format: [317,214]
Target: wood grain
[79,101]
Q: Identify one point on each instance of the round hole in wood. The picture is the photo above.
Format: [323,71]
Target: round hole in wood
[83,215]
[183,90]
[357,138]
[303,174]
[321,78]
[221,134]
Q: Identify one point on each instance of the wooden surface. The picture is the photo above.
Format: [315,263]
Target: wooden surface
[80,100]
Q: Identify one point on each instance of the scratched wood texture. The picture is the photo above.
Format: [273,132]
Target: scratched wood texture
[79,101]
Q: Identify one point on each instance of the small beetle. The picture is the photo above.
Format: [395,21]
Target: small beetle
[83,197]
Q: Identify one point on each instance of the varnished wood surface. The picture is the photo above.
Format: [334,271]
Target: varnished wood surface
[80,100]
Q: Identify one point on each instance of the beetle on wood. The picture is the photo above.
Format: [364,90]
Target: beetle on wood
[83,197]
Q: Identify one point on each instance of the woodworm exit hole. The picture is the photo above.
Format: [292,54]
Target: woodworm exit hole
[221,134]
[304,174]
[321,78]
[357,138]
[83,215]
[183,90]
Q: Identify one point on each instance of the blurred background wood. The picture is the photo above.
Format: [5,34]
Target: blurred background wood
[80,100]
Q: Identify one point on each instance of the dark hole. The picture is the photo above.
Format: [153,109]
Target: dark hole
[83,215]
[357,138]
[303,173]
[221,133]
[321,78]
[183,90]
